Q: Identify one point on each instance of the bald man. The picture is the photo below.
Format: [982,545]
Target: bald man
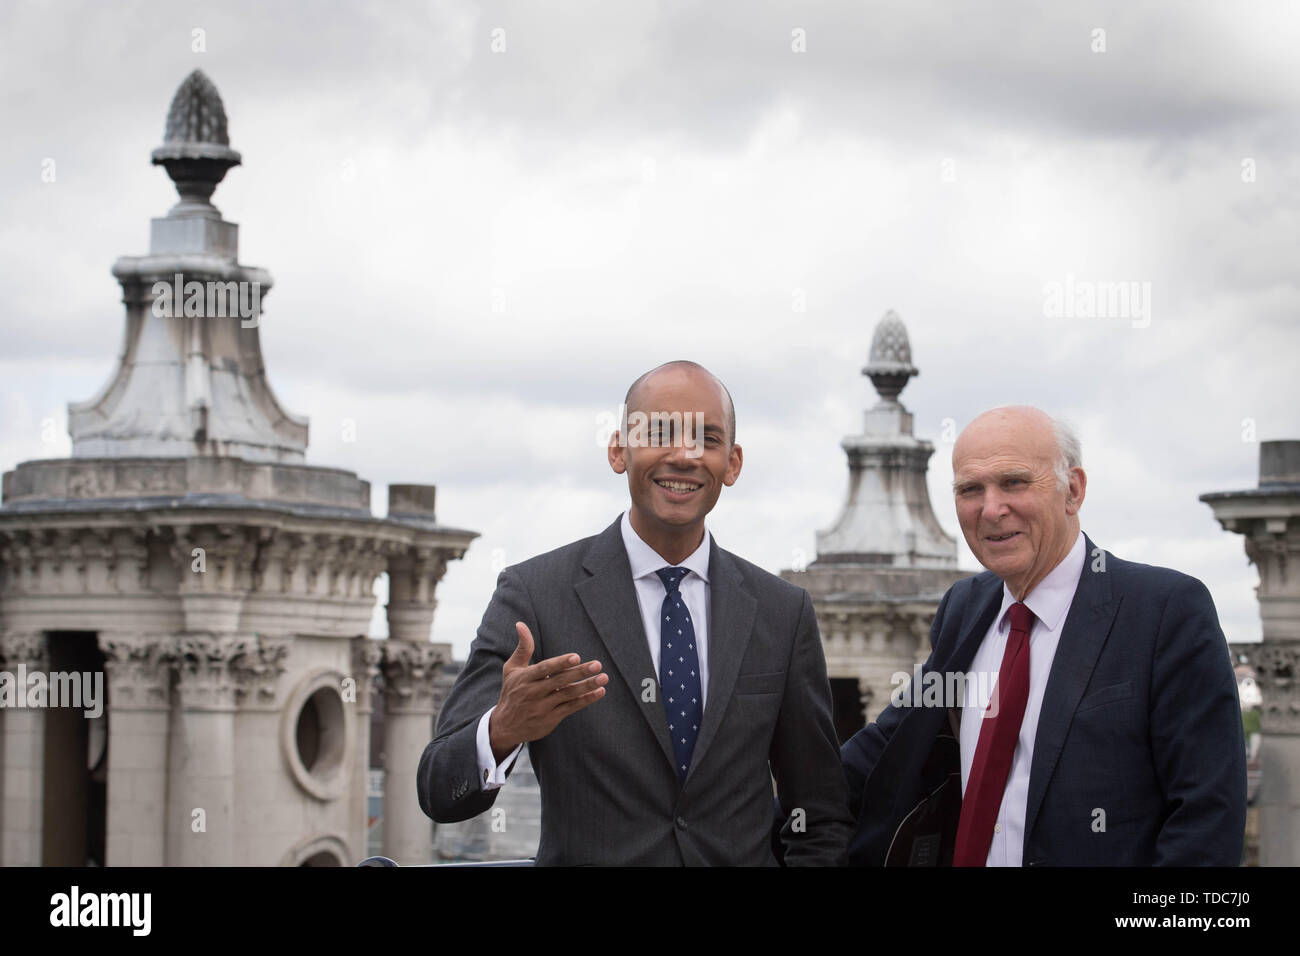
[1076,709]
[663,686]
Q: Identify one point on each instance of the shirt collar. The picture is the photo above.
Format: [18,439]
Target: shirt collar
[645,560]
[1052,597]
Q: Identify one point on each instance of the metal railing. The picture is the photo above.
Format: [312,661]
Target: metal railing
[385,861]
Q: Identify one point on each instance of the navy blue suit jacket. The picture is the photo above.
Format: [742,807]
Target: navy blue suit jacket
[1140,719]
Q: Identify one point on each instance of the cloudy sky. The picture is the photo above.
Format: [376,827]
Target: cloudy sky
[485,219]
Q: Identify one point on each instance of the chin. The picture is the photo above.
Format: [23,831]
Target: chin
[1003,569]
[676,518]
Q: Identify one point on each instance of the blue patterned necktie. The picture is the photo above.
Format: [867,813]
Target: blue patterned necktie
[679,670]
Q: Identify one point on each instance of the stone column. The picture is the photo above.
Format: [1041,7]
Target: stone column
[22,804]
[139,670]
[412,695]
[1276,667]
[201,770]
[1269,519]
[367,657]
[413,576]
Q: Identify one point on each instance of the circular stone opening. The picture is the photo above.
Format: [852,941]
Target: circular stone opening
[321,858]
[319,733]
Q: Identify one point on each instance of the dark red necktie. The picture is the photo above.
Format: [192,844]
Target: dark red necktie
[997,745]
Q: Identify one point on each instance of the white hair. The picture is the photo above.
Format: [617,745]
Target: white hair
[1068,453]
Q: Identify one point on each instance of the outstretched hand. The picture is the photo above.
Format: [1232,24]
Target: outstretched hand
[536,697]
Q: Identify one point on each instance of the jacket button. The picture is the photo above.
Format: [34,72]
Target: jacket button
[681,823]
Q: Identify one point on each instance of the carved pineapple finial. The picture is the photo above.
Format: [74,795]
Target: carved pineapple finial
[196,146]
[890,364]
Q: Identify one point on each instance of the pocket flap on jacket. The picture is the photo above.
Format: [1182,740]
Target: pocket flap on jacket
[772,683]
[1107,695]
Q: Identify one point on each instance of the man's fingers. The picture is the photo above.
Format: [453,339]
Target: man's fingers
[568,675]
[578,688]
[553,667]
[578,703]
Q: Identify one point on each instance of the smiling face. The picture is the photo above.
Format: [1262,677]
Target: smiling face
[1016,519]
[675,470]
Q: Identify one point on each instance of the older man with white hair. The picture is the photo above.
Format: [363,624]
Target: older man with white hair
[1091,716]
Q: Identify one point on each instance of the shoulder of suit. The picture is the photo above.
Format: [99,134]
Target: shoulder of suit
[546,564]
[765,582]
[958,591]
[1151,578]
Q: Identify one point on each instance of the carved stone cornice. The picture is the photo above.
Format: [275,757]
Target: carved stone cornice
[139,669]
[411,672]
[24,647]
[414,573]
[1277,672]
[226,556]
[108,554]
[207,678]
[1275,553]
[257,669]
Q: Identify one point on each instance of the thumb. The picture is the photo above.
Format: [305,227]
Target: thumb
[524,651]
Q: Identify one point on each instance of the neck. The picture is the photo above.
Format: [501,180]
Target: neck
[674,545]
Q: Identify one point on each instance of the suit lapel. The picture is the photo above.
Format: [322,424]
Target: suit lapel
[939,811]
[731,624]
[981,609]
[977,616]
[1087,626]
[609,598]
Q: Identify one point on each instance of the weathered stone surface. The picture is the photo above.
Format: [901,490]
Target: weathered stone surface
[1268,518]
[887,519]
[227,583]
[885,564]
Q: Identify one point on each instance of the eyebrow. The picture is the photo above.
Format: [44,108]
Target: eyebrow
[1023,474]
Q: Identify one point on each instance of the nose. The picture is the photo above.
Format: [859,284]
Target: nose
[995,506]
[679,455]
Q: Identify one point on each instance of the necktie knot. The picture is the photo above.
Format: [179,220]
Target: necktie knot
[1022,618]
[672,578]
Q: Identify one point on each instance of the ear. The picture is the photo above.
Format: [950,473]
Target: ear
[1075,491]
[617,453]
[735,458]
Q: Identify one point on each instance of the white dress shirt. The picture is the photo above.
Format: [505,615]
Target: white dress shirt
[1050,602]
[645,561]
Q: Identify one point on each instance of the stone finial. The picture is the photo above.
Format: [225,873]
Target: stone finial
[196,147]
[890,364]
[196,114]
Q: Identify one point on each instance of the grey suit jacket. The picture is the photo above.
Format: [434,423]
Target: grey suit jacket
[609,791]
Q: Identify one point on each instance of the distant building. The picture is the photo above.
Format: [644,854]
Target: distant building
[1268,519]
[220,588]
[885,564]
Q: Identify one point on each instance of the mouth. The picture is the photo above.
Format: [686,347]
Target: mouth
[1001,538]
[679,488]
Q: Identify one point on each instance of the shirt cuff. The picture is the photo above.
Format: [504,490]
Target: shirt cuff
[491,775]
